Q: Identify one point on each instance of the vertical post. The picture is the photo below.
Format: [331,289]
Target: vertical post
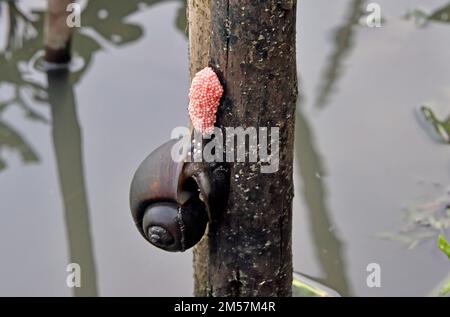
[199,25]
[58,34]
[253,51]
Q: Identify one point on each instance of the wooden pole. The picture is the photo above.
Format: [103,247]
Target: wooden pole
[58,34]
[199,26]
[253,51]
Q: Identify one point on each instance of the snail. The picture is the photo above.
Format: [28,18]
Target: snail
[173,201]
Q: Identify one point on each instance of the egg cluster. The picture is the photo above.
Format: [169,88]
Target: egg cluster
[204,99]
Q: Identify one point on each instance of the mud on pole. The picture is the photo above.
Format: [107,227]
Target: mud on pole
[57,33]
[253,51]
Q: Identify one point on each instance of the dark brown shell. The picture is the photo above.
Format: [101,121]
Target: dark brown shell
[157,179]
[171,202]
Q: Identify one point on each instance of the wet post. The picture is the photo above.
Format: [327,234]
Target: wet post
[253,51]
[57,32]
[199,26]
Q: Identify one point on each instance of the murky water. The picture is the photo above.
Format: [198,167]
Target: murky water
[69,144]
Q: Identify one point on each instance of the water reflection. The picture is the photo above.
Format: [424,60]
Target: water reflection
[441,14]
[10,138]
[343,42]
[29,91]
[422,18]
[17,49]
[24,38]
[327,245]
[110,21]
[424,219]
[21,73]
[440,129]
[181,18]
[102,22]
[67,144]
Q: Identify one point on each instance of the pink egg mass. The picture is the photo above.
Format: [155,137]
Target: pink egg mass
[204,99]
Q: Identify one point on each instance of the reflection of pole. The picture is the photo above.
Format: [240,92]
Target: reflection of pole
[328,246]
[58,34]
[343,41]
[67,144]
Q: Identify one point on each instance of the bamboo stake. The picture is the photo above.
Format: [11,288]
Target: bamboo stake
[57,33]
[199,25]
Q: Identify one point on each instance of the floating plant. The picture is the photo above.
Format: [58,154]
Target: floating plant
[440,129]
[423,221]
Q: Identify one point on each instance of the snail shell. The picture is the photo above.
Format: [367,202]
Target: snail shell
[172,202]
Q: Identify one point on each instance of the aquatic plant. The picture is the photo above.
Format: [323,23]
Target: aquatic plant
[423,221]
[444,246]
[440,129]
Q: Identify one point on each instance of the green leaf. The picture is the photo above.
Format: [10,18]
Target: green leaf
[303,286]
[300,289]
[445,247]
[445,290]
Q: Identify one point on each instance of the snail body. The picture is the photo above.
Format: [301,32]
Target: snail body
[173,201]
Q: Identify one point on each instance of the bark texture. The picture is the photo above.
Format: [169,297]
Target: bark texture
[199,25]
[58,34]
[253,52]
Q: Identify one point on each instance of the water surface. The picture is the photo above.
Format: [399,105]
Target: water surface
[69,144]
